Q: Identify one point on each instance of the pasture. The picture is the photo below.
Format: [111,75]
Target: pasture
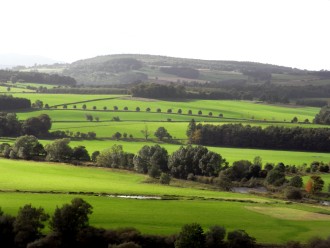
[230,109]
[52,184]
[195,203]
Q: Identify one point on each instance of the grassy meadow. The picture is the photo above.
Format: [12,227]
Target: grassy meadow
[229,109]
[195,203]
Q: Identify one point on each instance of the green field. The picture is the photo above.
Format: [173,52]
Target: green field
[154,216]
[269,220]
[229,109]
[132,122]
[4,89]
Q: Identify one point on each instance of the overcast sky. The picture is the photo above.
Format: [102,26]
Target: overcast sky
[285,32]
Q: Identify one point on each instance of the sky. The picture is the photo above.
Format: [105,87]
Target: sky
[292,33]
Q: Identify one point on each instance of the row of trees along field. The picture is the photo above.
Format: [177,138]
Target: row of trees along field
[194,163]
[38,126]
[8,102]
[233,89]
[272,137]
[36,77]
[10,126]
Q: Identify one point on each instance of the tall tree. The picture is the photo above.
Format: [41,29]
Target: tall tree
[68,220]
[59,150]
[191,236]
[28,224]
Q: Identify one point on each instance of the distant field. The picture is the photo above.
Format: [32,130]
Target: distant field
[229,109]
[3,89]
[54,99]
[154,216]
[133,122]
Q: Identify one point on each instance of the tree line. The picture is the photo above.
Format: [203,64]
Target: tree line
[185,72]
[323,117]
[194,163]
[36,77]
[10,126]
[8,102]
[272,137]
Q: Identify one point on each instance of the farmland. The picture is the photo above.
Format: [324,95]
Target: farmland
[52,184]
[132,122]
[153,216]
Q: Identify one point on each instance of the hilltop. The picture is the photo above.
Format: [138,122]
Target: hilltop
[130,68]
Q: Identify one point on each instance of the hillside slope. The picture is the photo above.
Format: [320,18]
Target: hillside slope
[128,68]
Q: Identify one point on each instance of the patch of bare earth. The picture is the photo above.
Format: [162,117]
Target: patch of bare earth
[289,213]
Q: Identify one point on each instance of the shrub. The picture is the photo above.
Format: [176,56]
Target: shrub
[296,181]
[165,178]
[154,171]
[293,193]
[239,239]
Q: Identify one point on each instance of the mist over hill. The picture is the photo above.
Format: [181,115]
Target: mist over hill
[10,60]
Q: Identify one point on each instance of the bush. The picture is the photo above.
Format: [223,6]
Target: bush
[191,236]
[154,171]
[165,178]
[296,181]
[240,239]
[293,193]
[191,177]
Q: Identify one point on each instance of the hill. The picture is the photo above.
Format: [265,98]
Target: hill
[128,68]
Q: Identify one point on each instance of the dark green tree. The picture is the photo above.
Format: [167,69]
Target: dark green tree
[28,224]
[239,239]
[162,133]
[215,237]
[296,181]
[165,178]
[68,220]
[95,155]
[7,234]
[80,153]
[191,128]
[59,150]
[317,184]
[151,156]
[191,236]
[27,147]
[275,177]
[117,135]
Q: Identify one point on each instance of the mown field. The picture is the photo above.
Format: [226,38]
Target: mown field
[258,216]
